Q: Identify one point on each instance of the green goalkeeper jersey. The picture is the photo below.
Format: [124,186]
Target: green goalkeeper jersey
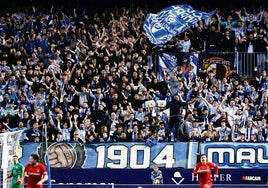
[17,170]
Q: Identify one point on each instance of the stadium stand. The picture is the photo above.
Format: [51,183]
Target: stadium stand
[85,75]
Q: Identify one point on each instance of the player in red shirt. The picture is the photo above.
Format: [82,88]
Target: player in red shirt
[203,170]
[36,171]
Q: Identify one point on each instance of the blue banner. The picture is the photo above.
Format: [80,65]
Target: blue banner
[115,155]
[131,163]
[171,21]
[237,155]
[167,62]
[176,176]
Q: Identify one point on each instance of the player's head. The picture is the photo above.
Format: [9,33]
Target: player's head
[15,159]
[34,158]
[203,158]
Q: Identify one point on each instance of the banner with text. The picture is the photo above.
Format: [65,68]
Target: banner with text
[115,155]
[171,21]
[237,155]
[176,176]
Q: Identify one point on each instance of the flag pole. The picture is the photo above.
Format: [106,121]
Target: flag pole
[47,159]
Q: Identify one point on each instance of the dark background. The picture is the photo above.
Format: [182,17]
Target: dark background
[91,6]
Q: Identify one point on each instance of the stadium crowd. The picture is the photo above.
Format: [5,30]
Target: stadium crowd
[89,80]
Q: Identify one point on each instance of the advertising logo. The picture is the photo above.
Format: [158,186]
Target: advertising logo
[177,178]
[251,178]
[225,177]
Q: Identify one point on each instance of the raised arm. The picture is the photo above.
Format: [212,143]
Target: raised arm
[206,102]
[71,123]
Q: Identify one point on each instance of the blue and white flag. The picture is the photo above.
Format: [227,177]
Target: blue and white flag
[194,59]
[171,21]
[167,63]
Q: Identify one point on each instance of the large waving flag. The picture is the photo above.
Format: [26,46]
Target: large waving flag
[173,20]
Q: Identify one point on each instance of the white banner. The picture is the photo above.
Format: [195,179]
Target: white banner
[9,146]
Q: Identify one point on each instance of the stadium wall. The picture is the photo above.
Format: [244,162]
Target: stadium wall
[131,163]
